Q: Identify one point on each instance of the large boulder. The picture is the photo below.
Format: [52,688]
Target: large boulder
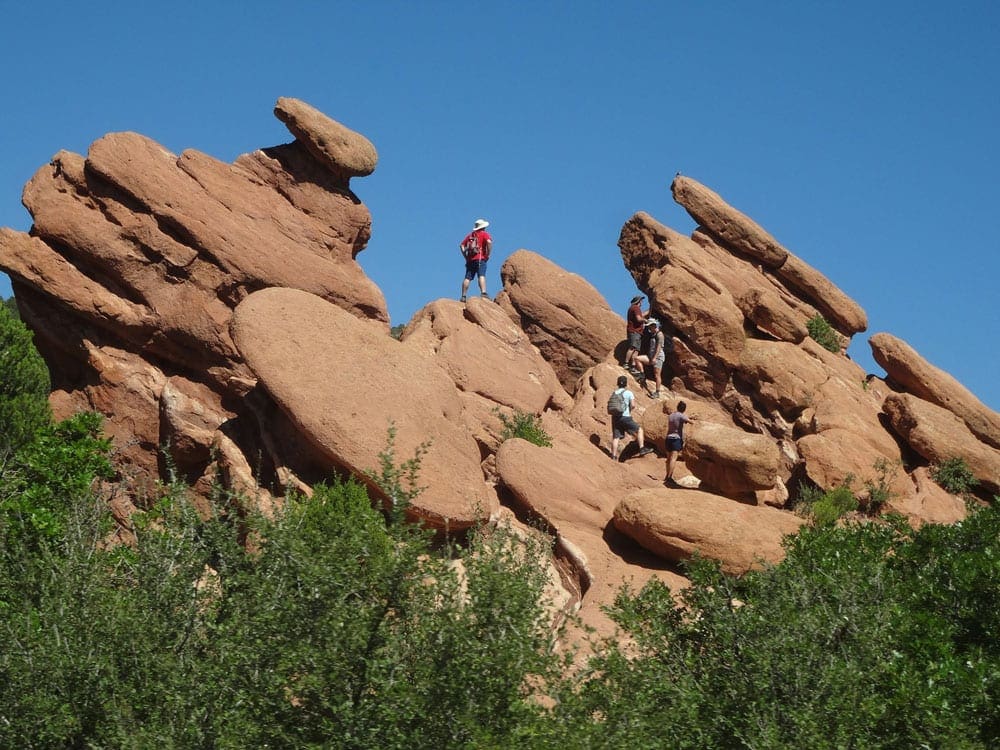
[344,383]
[562,313]
[938,435]
[916,375]
[676,524]
[730,460]
[338,147]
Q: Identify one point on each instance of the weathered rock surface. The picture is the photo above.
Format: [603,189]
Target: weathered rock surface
[486,354]
[562,313]
[729,460]
[917,376]
[938,435]
[343,383]
[574,488]
[329,141]
[675,524]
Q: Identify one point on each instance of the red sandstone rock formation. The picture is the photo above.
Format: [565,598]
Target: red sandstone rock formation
[217,311]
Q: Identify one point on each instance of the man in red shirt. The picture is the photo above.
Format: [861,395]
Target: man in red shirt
[476,249]
[635,321]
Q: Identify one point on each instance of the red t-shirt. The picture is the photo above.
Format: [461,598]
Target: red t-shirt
[636,320]
[481,237]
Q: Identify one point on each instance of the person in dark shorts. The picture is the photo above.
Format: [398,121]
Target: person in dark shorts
[624,424]
[675,437]
[657,355]
[635,319]
[476,249]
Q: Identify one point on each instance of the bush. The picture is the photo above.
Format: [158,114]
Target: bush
[525,426]
[878,488]
[824,508]
[955,476]
[24,384]
[823,334]
[871,635]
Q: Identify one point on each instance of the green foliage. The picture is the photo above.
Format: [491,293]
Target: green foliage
[824,508]
[398,482]
[870,635]
[24,384]
[823,334]
[879,492]
[334,629]
[523,425]
[11,304]
[397,330]
[954,475]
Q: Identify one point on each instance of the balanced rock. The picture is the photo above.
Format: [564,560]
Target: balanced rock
[917,376]
[329,141]
[675,524]
[562,313]
[344,383]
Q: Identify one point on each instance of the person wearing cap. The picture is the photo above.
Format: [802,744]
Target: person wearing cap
[476,249]
[657,353]
[635,319]
[623,424]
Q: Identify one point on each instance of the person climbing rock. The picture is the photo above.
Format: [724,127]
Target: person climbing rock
[675,438]
[656,355]
[635,319]
[476,249]
[623,423]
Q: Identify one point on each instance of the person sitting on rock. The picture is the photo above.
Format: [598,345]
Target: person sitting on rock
[622,424]
[675,438]
[476,249]
[635,319]
[657,354]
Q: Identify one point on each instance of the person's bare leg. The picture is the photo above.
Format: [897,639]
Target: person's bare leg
[671,462]
[465,287]
[482,285]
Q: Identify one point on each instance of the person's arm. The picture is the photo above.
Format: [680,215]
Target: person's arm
[487,249]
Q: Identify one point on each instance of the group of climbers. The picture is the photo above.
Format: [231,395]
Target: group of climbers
[476,248]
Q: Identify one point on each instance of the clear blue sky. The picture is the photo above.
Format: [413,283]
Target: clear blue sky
[863,135]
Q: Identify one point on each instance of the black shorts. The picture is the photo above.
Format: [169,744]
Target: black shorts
[674,443]
[621,425]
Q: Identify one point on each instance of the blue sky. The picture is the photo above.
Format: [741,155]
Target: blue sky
[862,135]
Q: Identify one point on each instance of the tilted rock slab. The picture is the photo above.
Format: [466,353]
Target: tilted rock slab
[737,231]
[486,354]
[916,375]
[329,141]
[938,435]
[343,382]
[675,524]
[666,265]
[562,313]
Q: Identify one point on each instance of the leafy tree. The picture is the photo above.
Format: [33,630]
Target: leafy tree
[523,425]
[24,384]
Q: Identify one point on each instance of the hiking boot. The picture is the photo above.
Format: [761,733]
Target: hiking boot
[644,451]
[462,298]
[654,394]
[484,294]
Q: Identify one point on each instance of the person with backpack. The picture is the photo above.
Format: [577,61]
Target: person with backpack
[620,405]
[635,319]
[657,354]
[476,249]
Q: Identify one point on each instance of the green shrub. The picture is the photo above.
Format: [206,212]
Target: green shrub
[24,384]
[525,426]
[824,508]
[878,488]
[823,334]
[954,475]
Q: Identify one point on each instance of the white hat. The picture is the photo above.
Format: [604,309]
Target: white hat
[480,224]
[653,322]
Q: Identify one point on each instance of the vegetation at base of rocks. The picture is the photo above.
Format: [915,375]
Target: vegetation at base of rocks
[879,493]
[24,384]
[399,482]
[823,334]
[11,304]
[523,425]
[825,508]
[870,635]
[397,330]
[954,475]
